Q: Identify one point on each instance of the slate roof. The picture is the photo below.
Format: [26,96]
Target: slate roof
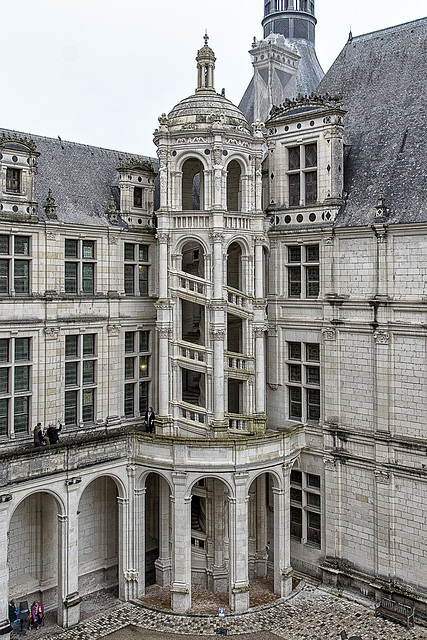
[82,178]
[382,78]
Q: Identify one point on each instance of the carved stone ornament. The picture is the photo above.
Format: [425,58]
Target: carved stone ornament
[113,239]
[164,332]
[313,100]
[131,576]
[273,387]
[329,463]
[50,206]
[217,236]
[272,331]
[163,237]
[218,334]
[51,235]
[329,240]
[260,331]
[330,333]
[382,476]
[113,329]
[51,333]
[381,336]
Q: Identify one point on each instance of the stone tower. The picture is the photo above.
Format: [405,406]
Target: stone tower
[285,62]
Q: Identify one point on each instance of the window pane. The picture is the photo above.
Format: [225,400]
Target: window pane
[88,371]
[313,527]
[88,273]
[13,180]
[295,402]
[294,281]
[296,477]
[129,279]
[294,254]
[295,373]
[89,344]
[22,245]
[88,405]
[143,252]
[88,249]
[70,407]
[4,380]
[3,416]
[4,350]
[4,244]
[310,155]
[21,276]
[313,480]
[129,368]
[70,277]
[311,187]
[129,341]
[294,350]
[143,280]
[143,397]
[137,197]
[296,522]
[71,248]
[71,346]
[129,251]
[20,419]
[144,340]
[313,375]
[313,499]
[296,495]
[294,158]
[129,400]
[22,378]
[70,373]
[143,366]
[312,282]
[4,276]
[294,190]
[313,351]
[313,404]
[312,253]
[22,348]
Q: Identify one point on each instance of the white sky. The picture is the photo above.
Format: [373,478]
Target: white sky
[101,71]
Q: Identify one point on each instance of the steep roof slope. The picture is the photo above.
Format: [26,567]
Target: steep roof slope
[382,78]
[82,178]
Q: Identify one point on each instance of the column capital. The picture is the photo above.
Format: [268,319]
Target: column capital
[330,333]
[381,336]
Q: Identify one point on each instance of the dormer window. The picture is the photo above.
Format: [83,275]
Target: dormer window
[13,180]
[302,175]
[137,197]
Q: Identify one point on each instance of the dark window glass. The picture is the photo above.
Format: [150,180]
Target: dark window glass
[20,418]
[143,397]
[88,277]
[296,522]
[129,400]
[313,527]
[294,254]
[313,375]
[88,249]
[143,252]
[313,499]
[4,380]
[294,190]
[88,405]
[294,158]
[129,368]
[312,253]
[88,371]
[311,155]
[70,407]
[137,197]
[143,366]
[312,282]
[4,411]
[4,350]
[129,341]
[4,276]
[311,187]
[71,346]
[143,280]
[295,373]
[89,344]
[70,373]
[71,248]
[22,378]
[294,350]
[296,495]
[22,245]
[4,244]
[129,280]
[144,339]
[295,402]
[21,276]
[129,251]
[71,277]
[296,477]
[13,180]
[294,282]
[313,351]
[313,480]
[22,348]
[313,404]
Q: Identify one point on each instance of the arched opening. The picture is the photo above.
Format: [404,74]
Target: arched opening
[192,185]
[33,550]
[234,266]
[98,536]
[157,531]
[193,259]
[193,322]
[234,186]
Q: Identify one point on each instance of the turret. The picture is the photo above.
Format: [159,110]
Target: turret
[294,19]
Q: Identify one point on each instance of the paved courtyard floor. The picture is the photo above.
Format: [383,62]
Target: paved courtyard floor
[310,613]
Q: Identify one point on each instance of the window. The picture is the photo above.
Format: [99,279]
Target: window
[14,265]
[136,269]
[306,508]
[15,385]
[137,197]
[79,266]
[303,380]
[137,372]
[303,271]
[302,175]
[13,180]
[80,378]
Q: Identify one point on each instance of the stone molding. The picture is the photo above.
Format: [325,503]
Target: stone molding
[330,333]
[382,476]
[381,336]
[51,333]
[113,330]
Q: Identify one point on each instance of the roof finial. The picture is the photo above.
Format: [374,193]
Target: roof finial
[206,37]
[350,36]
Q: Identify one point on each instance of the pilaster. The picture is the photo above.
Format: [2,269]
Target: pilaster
[181,545]
[239,552]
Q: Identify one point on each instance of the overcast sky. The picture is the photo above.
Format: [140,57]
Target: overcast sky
[100,72]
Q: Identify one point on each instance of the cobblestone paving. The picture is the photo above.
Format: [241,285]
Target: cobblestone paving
[309,614]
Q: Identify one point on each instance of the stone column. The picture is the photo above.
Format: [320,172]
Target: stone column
[261,528]
[123,547]
[382,375]
[4,567]
[218,262]
[139,539]
[239,552]
[164,334]
[259,268]
[331,502]
[331,375]
[181,548]
[164,563]
[218,336]
[131,560]
[163,239]
[68,563]
[259,369]
[282,536]
[218,510]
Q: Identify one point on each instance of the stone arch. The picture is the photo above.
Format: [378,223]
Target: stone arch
[193,257]
[235,266]
[193,184]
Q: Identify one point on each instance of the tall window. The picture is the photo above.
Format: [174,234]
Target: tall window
[80,378]
[303,383]
[137,197]
[137,372]
[302,175]
[15,385]
[303,271]
[306,508]
[13,180]
[14,264]
[79,266]
[136,269]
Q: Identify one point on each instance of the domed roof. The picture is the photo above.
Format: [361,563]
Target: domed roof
[205,108]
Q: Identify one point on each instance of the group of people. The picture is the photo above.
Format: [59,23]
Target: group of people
[18,616]
[44,437]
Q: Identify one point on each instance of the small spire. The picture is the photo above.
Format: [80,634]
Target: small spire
[50,206]
[206,37]
[205,67]
[381,208]
[350,36]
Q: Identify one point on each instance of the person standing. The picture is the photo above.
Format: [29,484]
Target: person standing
[52,433]
[38,435]
[149,420]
